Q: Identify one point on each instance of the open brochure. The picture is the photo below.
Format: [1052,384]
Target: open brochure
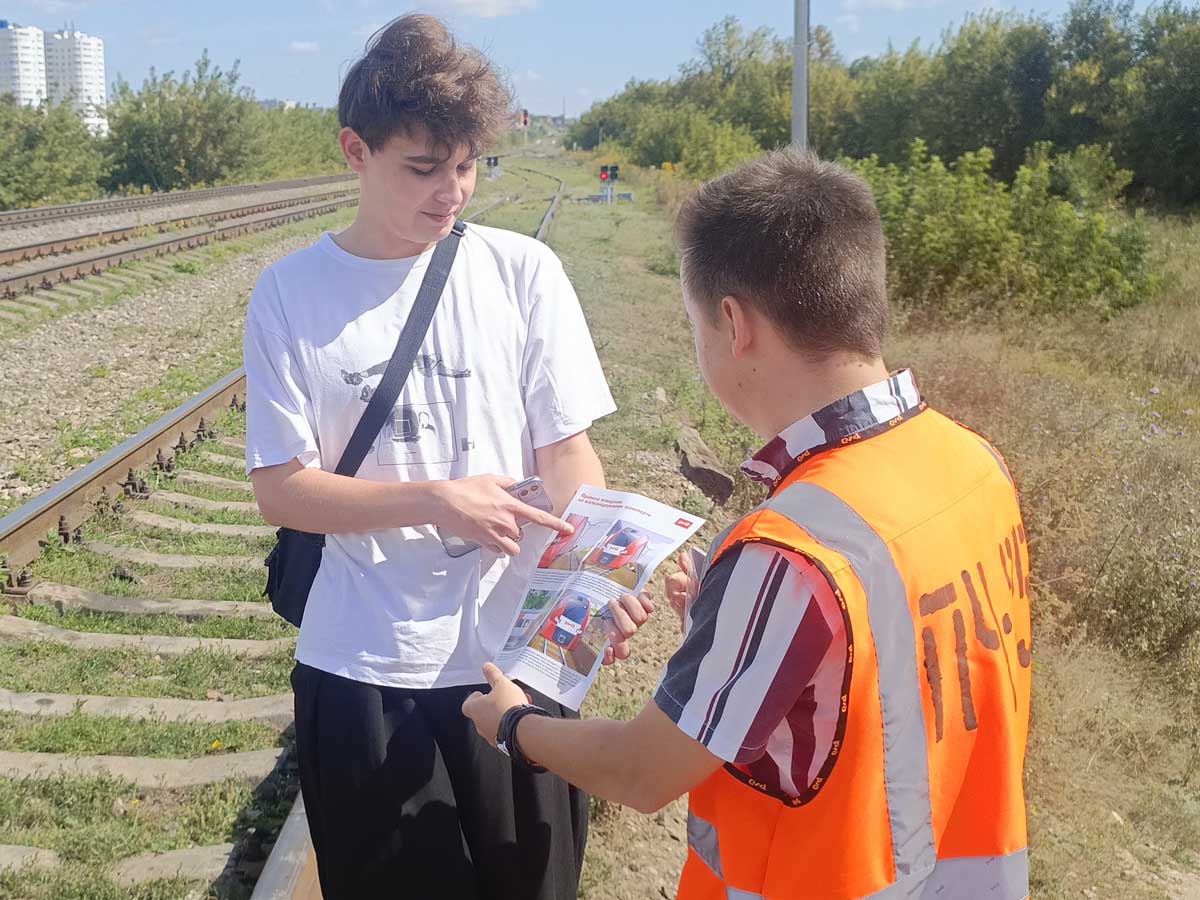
[556,642]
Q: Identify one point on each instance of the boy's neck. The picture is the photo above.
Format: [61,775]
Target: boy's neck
[371,241]
[794,389]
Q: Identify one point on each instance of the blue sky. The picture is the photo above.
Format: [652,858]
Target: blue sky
[554,50]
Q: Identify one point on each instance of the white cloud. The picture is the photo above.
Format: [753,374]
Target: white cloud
[851,21]
[584,92]
[304,48]
[527,77]
[489,9]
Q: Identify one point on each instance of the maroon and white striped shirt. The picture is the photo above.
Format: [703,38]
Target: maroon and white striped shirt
[762,672]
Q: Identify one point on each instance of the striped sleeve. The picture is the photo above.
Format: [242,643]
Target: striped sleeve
[763,630]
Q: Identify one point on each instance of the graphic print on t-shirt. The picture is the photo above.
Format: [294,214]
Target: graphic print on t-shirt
[416,433]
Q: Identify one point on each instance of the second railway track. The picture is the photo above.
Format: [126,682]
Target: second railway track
[59,246]
[13,218]
[60,272]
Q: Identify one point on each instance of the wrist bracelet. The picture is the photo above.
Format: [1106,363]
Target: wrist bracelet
[506,735]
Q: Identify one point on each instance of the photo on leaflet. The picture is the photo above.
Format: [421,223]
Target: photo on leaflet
[563,623]
[614,550]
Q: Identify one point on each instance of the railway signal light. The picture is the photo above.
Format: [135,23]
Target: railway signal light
[613,172]
[524,118]
[604,173]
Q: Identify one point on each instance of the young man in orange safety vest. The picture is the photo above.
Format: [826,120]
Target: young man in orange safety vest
[849,707]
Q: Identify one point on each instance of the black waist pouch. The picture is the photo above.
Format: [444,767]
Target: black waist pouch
[291,570]
[293,563]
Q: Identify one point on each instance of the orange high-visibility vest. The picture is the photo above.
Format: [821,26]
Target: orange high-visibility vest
[919,530]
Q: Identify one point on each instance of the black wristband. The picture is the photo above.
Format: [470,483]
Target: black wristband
[506,735]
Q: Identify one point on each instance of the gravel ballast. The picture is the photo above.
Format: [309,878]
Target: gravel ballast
[79,370]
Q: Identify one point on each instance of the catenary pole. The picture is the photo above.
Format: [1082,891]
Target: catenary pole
[800,76]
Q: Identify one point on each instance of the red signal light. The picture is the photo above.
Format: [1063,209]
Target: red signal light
[604,176]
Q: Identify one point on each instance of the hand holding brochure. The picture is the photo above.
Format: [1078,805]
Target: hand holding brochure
[557,641]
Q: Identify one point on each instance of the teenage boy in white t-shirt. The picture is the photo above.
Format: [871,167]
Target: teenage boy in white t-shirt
[402,797]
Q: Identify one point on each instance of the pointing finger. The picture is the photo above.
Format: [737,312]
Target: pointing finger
[545,519]
[492,673]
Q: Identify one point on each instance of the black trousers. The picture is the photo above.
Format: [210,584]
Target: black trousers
[406,801]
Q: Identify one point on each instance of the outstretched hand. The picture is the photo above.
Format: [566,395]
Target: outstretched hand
[682,587]
[625,617]
[485,710]
[480,510]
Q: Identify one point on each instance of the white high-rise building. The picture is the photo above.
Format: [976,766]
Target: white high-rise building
[75,71]
[22,63]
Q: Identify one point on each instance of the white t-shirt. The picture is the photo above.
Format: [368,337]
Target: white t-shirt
[508,366]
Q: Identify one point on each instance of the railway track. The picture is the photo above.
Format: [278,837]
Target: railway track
[16,217]
[145,709]
[60,246]
[14,285]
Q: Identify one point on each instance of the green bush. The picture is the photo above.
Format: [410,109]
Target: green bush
[181,132]
[960,241]
[689,138]
[1088,177]
[715,147]
[292,143]
[47,156]
[172,133]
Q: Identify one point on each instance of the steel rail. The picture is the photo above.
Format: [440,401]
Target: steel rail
[13,286]
[14,217]
[70,502]
[40,249]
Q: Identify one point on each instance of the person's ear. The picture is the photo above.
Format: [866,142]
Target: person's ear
[354,148]
[739,325]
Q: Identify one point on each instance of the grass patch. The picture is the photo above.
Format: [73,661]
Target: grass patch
[230,424]
[522,216]
[202,516]
[101,820]
[197,463]
[94,572]
[170,626]
[203,491]
[46,668]
[109,736]
[162,540]
[82,882]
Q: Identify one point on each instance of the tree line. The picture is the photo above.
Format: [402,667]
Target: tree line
[174,132]
[1100,76]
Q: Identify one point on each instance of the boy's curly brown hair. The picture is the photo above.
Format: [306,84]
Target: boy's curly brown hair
[414,74]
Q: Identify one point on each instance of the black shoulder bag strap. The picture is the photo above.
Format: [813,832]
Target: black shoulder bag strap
[380,405]
[293,563]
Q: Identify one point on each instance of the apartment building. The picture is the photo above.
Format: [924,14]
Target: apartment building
[22,63]
[75,72]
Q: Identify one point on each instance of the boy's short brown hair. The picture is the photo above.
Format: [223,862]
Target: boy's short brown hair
[799,239]
[414,74]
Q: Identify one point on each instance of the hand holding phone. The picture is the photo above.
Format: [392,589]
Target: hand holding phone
[535,508]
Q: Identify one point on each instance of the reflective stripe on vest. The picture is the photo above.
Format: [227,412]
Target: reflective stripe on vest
[966,878]
[831,522]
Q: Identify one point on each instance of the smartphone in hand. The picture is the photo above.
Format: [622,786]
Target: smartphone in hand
[531,491]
